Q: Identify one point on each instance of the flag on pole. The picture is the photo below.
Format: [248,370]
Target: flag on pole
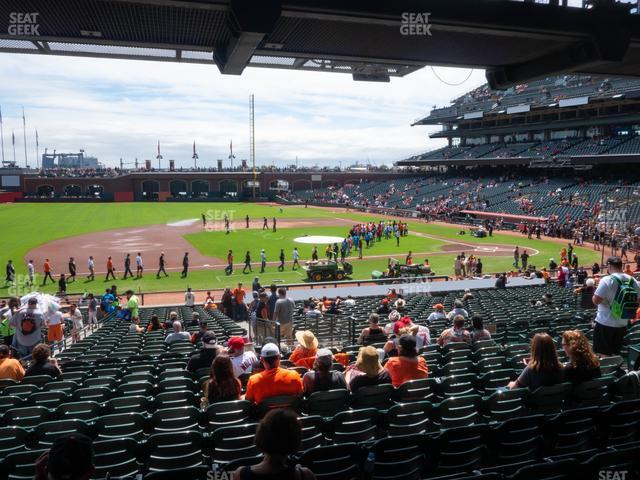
[1,136]
[13,138]
[194,147]
[158,147]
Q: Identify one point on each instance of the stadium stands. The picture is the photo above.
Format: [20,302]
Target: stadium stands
[132,394]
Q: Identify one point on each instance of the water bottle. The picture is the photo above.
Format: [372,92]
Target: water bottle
[369,464]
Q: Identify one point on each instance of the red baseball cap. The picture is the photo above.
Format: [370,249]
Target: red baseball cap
[235,343]
[385,301]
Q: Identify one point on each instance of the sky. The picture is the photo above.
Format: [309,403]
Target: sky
[121,108]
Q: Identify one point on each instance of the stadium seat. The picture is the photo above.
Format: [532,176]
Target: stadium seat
[505,404]
[234,442]
[26,417]
[456,450]
[312,431]
[88,411]
[354,425]
[327,403]
[334,462]
[12,439]
[222,414]
[175,419]
[173,451]
[47,432]
[560,470]
[21,465]
[516,440]
[121,425]
[409,418]
[399,458]
[415,390]
[592,393]
[377,396]
[115,458]
[571,431]
[550,399]
[459,411]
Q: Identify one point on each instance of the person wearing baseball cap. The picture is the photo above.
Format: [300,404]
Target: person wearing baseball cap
[241,360]
[373,333]
[384,309]
[274,380]
[616,308]
[322,378]
[207,353]
[28,325]
[69,458]
[407,365]
[437,314]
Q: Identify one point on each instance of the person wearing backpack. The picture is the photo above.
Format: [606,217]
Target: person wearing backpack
[28,324]
[617,300]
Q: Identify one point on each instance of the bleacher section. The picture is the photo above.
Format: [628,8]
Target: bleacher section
[131,393]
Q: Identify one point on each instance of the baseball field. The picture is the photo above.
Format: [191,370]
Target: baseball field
[58,231]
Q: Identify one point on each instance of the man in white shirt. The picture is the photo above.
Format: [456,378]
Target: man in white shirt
[189,298]
[91,266]
[177,334]
[263,261]
[296,259]
[139,265]
[31,270]
[241,361]
[610,329]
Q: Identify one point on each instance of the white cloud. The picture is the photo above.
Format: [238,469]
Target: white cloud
[121,108]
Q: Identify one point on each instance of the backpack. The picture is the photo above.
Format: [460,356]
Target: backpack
[625,301]
[27,324]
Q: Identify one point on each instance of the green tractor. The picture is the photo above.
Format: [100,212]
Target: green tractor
[327,270]
[396,270]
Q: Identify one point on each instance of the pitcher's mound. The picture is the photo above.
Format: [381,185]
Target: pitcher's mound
[183,223]
[318,239]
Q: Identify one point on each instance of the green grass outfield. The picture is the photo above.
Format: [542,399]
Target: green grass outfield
[26,226]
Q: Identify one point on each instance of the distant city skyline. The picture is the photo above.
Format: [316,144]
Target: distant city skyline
[116,109]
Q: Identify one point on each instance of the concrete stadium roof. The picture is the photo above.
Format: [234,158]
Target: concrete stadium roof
[370,39]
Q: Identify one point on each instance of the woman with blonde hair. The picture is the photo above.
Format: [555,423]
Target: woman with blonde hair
[367,371]
[543,367]
[583,364]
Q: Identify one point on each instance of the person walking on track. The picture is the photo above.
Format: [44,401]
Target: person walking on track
[110,269]
[263,261]
[229,268]
[246,219]
[91,266]
[139,266]
[274,224]
[296,258]
[281,266]
[161,266]
[72,270]
[127,266]
[247,262]
[185,265]
[47,272]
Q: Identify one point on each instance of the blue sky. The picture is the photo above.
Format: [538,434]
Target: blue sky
[121,108]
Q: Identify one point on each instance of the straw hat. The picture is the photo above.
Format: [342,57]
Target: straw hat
[307,339]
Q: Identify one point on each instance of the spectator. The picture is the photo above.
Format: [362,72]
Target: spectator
[274,380]
[92,310]
[28,324]
[7,332]
[132,303]
[407,365]
[177,334]
[154,324]
[241,360]
[241,309]
[458,309]
[501,281]
[307,346]
[77,324]
[373,333]
[478,332]
[226,302]
[222,385]
[209,302]
[196,337]
[586,293]
[207,353]
[583,364]
[55,329]
[322,377]
[457,333]
[283,313]
[135,327]
[70,458]
[350,301]
[543,368]
[273,298]
[279,435]
[255,286]
[611,325]
[393,318]
[384,309]
[173,317]
[437,314]
[10,368]
[367,371]
[42,364]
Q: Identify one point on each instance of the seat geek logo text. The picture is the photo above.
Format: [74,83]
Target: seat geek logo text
[24,24]
[415,24]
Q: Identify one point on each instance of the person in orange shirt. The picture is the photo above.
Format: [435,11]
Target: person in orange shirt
[274,380]
[110,269]
[241,309]
[10,368]
[407,365]
[47,272]
[308,346]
